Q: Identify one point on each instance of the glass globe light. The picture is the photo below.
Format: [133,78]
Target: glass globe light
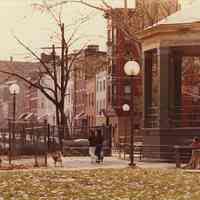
[126,107]
[14,89]
[132,68]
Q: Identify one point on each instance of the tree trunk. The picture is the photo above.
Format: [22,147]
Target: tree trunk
[62,126]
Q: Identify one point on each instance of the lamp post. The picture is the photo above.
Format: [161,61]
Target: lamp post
[14,90]
[131,68]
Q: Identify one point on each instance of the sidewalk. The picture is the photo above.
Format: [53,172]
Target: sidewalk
[78,163]
[81,163]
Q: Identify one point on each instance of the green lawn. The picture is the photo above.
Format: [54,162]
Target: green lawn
[108,184]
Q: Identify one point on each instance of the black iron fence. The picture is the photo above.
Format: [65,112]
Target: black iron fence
[26,142]
[81,135]
[33,141]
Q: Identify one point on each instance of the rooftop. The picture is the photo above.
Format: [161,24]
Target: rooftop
[189,14]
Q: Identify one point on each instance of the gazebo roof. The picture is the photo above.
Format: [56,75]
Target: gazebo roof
[186,20]
[189,14]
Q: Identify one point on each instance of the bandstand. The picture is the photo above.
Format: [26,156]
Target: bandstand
[171,78]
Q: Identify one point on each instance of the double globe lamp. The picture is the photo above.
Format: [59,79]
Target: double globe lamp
[131,69]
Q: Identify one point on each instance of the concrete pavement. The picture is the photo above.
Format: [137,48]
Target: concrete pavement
[80,163]
[109,162]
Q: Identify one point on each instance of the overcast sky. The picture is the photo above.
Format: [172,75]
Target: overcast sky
[38,29]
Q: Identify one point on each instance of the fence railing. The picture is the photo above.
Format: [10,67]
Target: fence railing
[40,138]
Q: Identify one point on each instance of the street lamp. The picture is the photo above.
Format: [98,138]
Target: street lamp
[126,107]
[131,68]
[14,90]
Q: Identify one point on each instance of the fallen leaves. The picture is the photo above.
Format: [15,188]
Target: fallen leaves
[101,184]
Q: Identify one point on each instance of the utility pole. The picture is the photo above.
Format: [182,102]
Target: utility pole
[55,81]
[125,4]
[62,84]
[62,90]
[53,48]
[74,99]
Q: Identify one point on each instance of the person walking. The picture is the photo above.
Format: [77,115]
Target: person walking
[99,146]
[92,146]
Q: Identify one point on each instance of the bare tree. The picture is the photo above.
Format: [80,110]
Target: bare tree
[130,21]
[58,71]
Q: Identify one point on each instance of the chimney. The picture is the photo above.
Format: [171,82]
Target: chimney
[11,59]
[125,4]
[92,48]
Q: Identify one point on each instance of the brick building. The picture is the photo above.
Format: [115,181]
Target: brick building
[6,100]
[90,61]
[121,26]
[90,101]
[120,50]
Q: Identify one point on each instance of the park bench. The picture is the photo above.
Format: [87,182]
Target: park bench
[183,154]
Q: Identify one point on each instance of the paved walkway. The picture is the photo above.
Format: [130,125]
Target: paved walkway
[79,163]
[109,162]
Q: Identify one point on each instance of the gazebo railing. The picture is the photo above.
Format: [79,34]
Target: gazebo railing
[152,117]
[185,116]
[179,117]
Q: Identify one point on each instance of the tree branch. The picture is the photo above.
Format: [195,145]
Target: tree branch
[38,86]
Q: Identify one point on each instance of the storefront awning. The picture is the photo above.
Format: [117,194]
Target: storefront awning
[81,115]
[43,117]
[26,116]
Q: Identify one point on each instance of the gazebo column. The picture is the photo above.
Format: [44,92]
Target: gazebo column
[175,89]
[147,86]
[178,77]
[151,134]
[164,69]
[160,134]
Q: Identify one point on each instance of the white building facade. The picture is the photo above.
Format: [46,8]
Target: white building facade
[46,110]
[101,97]
[69,106]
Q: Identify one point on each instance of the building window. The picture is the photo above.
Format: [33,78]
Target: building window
[109,93]
[88,99]
[127,89]
[100,85]
[42,104]
[92,99]
[114,94]
[114,36]
[97,106]
[104,84]
[104,104]
[114,90]
[97,86]
[68,99]
[100,106]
